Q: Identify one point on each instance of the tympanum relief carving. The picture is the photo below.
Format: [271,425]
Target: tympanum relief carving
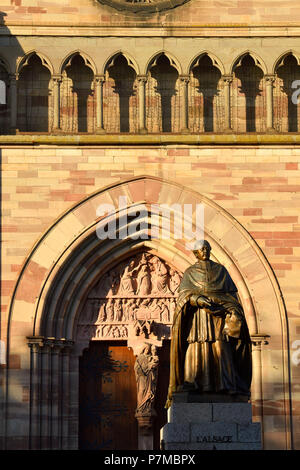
[140,289]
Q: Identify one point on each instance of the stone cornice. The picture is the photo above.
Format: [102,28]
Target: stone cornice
[137,29]
[229,139]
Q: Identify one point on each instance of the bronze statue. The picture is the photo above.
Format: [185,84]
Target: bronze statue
[210,344]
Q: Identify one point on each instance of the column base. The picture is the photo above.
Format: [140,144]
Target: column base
[100,130]
[143,131]
[185,130]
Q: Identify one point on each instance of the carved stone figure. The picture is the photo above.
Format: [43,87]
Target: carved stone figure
[174,280]
[159,277]
[127,280]
[143,281]
[110,310]
[118,311]
[146,369]
[210,344]
[102,312]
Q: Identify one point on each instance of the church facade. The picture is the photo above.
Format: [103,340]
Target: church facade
[115,114]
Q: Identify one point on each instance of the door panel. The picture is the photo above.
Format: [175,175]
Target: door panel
[107,397]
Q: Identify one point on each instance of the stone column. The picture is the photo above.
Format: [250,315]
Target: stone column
[56,102]
[258,340]
[55,393]
[227,79]
[185,116]
[35,343]
[142,80]
[45,398]
[65,402]
[13,99]
[269,79]
[99,80]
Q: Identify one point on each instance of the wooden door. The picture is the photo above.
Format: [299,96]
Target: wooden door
[107,400]
[107,397]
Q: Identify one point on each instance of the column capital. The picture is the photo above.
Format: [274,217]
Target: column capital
[142,78]
[13,77]
[259,339]
[184,78]
[57,78]
[227,79]
[35,342]
[270,78]
[99,78]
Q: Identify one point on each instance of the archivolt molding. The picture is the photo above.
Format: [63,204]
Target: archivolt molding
[232,246]
[69,259]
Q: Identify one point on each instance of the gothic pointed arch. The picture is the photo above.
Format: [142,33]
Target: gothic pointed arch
[70,259]
[77,100]
[120,97]
[248,95]
[34,73]
[285,95]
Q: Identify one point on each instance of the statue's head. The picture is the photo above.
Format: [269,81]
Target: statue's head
[202,250]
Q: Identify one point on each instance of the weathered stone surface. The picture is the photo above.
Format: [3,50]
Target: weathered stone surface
[249,433]
[190,412]
[206,431]
[236,412]
[172,432]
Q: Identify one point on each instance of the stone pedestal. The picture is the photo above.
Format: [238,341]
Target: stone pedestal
[210,426]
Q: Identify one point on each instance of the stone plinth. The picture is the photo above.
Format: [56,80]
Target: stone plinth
[210,426]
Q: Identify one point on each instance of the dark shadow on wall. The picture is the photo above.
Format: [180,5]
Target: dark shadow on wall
[208,77]
[10,50]
[33,96]
[82,78]
[124,77]
[166,77]
[288,73]
[250,76]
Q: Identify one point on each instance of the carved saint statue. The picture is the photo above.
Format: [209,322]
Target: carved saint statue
[126,282]
[146,368]
[160,276]
[210,344]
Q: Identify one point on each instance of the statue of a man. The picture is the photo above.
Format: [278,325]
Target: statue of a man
[210,345]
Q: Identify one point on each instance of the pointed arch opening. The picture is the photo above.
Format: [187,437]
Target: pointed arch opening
[287,82]
[77,104]
[248,95]
[162,95]
[34,94]
[120,98]
[206,100]
[70,259]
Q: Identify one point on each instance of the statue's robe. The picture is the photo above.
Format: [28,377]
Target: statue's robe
[210,346]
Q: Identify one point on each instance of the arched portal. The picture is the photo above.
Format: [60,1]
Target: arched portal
[70,259]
